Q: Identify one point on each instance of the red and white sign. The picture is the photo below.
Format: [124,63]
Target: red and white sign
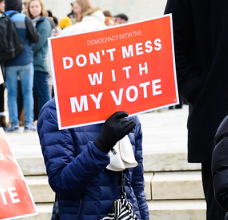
[125,68]
[15,198]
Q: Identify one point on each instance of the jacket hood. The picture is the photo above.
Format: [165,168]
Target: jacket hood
[90,22]
[13,5]
[94,14]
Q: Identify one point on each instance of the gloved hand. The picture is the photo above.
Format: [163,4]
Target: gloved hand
[113,130]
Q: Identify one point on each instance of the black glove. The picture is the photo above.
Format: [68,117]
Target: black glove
[113,130]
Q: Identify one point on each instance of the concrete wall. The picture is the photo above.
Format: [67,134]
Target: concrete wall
[135,9]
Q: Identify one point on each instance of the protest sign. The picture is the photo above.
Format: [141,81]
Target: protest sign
[15,198]
[125,68]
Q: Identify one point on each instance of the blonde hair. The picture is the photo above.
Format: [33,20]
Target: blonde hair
[43,11]
[85,5]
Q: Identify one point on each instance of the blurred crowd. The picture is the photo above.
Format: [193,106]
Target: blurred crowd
[29,90]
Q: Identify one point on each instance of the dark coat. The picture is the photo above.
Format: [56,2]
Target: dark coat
[76,169]
[220,165]
[201,50]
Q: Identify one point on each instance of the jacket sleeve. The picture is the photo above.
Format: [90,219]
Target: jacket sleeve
[138,183]
[69,174]
[33,35]
[183,29]
[220,165]
[44,30]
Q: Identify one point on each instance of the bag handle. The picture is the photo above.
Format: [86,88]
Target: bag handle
[12,14]
[123,190]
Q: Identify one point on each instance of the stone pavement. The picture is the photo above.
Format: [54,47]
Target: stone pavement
[172,186]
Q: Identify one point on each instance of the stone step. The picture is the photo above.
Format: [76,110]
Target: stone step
[158,186]
[40,189]
[177,210]
[167,161]
[177,185]
[159,210]
[165,141]
[153,162]
[173,185]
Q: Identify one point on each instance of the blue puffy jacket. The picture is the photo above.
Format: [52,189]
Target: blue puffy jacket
[77,170]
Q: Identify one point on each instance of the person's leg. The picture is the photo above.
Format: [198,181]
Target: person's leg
[26,78]
[11,85]
[214,211]
[41,87]
[20,103]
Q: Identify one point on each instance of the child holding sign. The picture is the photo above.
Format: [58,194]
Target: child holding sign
[76,159]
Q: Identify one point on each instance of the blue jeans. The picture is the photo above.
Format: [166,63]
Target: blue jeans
[41,88]
[26,74]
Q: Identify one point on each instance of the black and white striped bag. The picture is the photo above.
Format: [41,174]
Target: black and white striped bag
[123,210]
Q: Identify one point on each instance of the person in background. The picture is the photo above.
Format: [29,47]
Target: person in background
[2,6]
[19,93]
[21,66]
[52,19]
[71,15]
[121,18]
[109,20]
[201,53]
[54,24]
[107,13]
[79,8]
[2,86]
[76,158]
[40,21]
[25,7]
